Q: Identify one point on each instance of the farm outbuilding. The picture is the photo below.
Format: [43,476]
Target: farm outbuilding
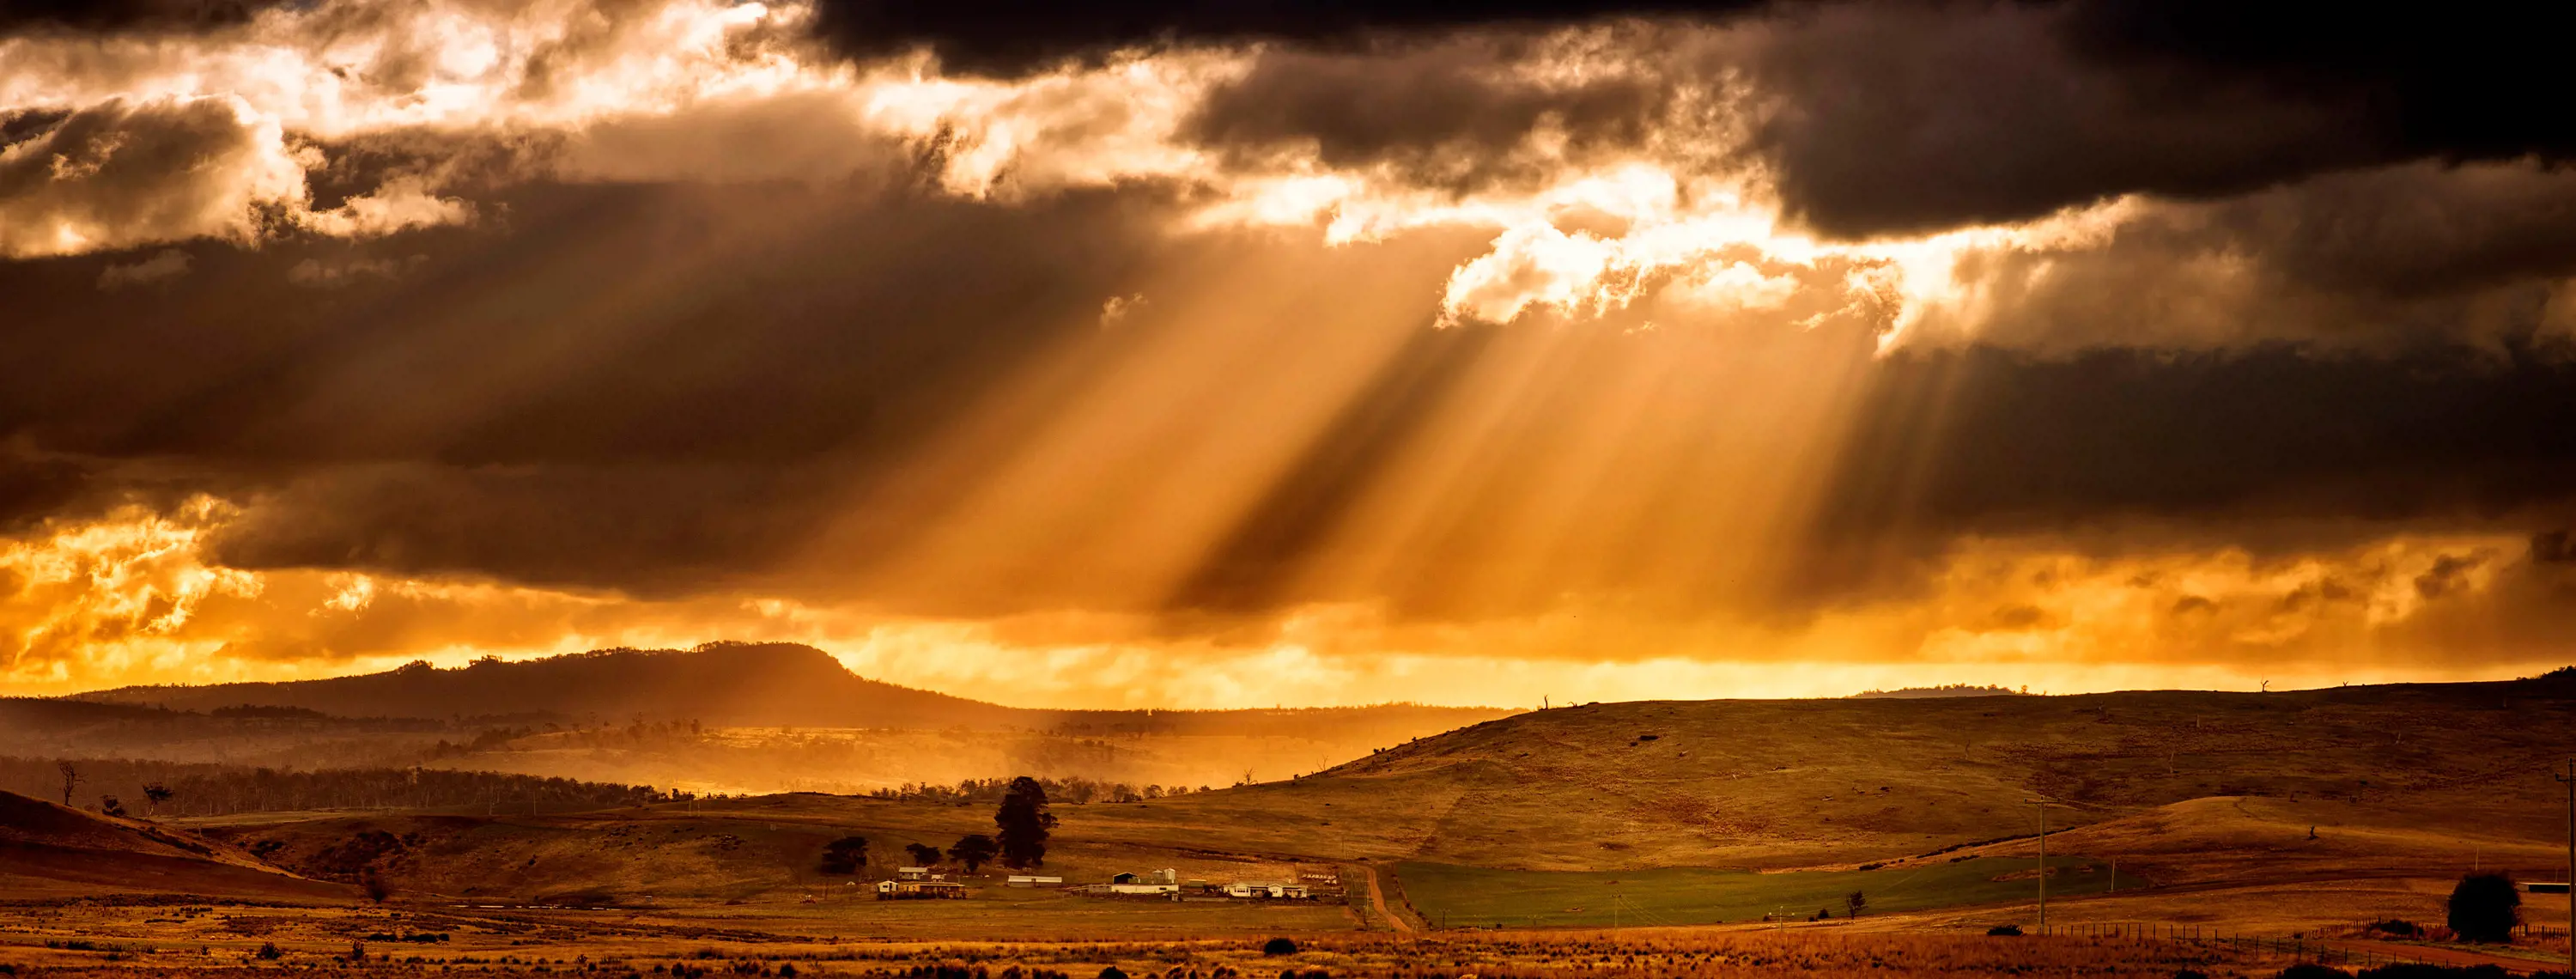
[1258,889]
[914,890]
[1033,880]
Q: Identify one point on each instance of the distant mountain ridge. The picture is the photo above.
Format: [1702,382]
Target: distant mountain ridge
[726,684]
[720,683]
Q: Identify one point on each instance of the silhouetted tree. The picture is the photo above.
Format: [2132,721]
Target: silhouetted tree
[71,779]
[922,853]
[2485,907]
[1854,903]
[1024,822]
[109,805]
[154,794]
[974,850]
[375,886]
[845,855]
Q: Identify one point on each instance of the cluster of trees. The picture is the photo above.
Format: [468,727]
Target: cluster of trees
[1077,790]
[1021,823]
[212,789]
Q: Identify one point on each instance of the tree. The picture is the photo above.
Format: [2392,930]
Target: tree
[71,779]
[1024,822]
[974,850]
[845,855]
[2485,907]
[109,805]
[1854,903]
[154,794]
[922,854]
[375,886]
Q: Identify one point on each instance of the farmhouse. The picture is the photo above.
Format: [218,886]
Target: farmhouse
[914,890]
[1258,889]
[1161,882]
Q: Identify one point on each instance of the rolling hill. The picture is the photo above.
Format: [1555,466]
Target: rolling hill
[51,849]
[1802,783]
[1709,807]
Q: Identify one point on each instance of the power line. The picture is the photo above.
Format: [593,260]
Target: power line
[2569,780]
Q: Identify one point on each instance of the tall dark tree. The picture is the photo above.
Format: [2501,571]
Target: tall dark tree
[974,850]
[845,855]
[2485,907]
[1024,822]
[154,794]
[922,853]
[71,779]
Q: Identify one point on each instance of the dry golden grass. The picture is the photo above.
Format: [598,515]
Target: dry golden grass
[1698,954]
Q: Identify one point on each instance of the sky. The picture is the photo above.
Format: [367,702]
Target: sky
[1218,353]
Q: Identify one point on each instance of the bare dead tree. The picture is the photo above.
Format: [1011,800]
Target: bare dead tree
[71,779]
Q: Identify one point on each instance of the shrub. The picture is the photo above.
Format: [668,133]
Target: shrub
[2485,907]
[1279,946]
[2395,926]
[2311,970]
[2008,931]
[2190,974]
[268,950]
[1111,972]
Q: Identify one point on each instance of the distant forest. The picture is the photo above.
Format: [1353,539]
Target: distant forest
[214,790]
[1952,690]
[1077,791]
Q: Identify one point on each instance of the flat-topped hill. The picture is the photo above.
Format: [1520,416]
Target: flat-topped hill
[742,684]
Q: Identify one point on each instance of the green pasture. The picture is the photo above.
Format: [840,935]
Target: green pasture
[1457,896]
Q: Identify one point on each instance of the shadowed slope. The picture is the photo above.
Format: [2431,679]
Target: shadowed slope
[50,849]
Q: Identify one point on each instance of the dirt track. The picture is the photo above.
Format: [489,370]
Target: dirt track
[1377,900]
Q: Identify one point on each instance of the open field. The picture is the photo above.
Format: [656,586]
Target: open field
[208,939]
[1453,895]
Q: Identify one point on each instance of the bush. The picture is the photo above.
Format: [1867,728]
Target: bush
[2008,931]
[2485,907]
[1279,946]
[2311,970]
[2395,926]
[1111,972]
[268,950]
[2190,974]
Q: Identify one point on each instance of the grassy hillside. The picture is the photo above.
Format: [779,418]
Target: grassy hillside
[48,849]
[1701,810]
[1810,783]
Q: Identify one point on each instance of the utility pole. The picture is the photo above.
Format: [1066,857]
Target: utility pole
[2569,780]
[2043,862]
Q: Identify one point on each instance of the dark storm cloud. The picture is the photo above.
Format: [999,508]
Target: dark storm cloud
[1994,441]
[1013,36]
[2381,259]
[106,15]
[1445,114]
[1877,118]
[623,386]
[1893,119]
